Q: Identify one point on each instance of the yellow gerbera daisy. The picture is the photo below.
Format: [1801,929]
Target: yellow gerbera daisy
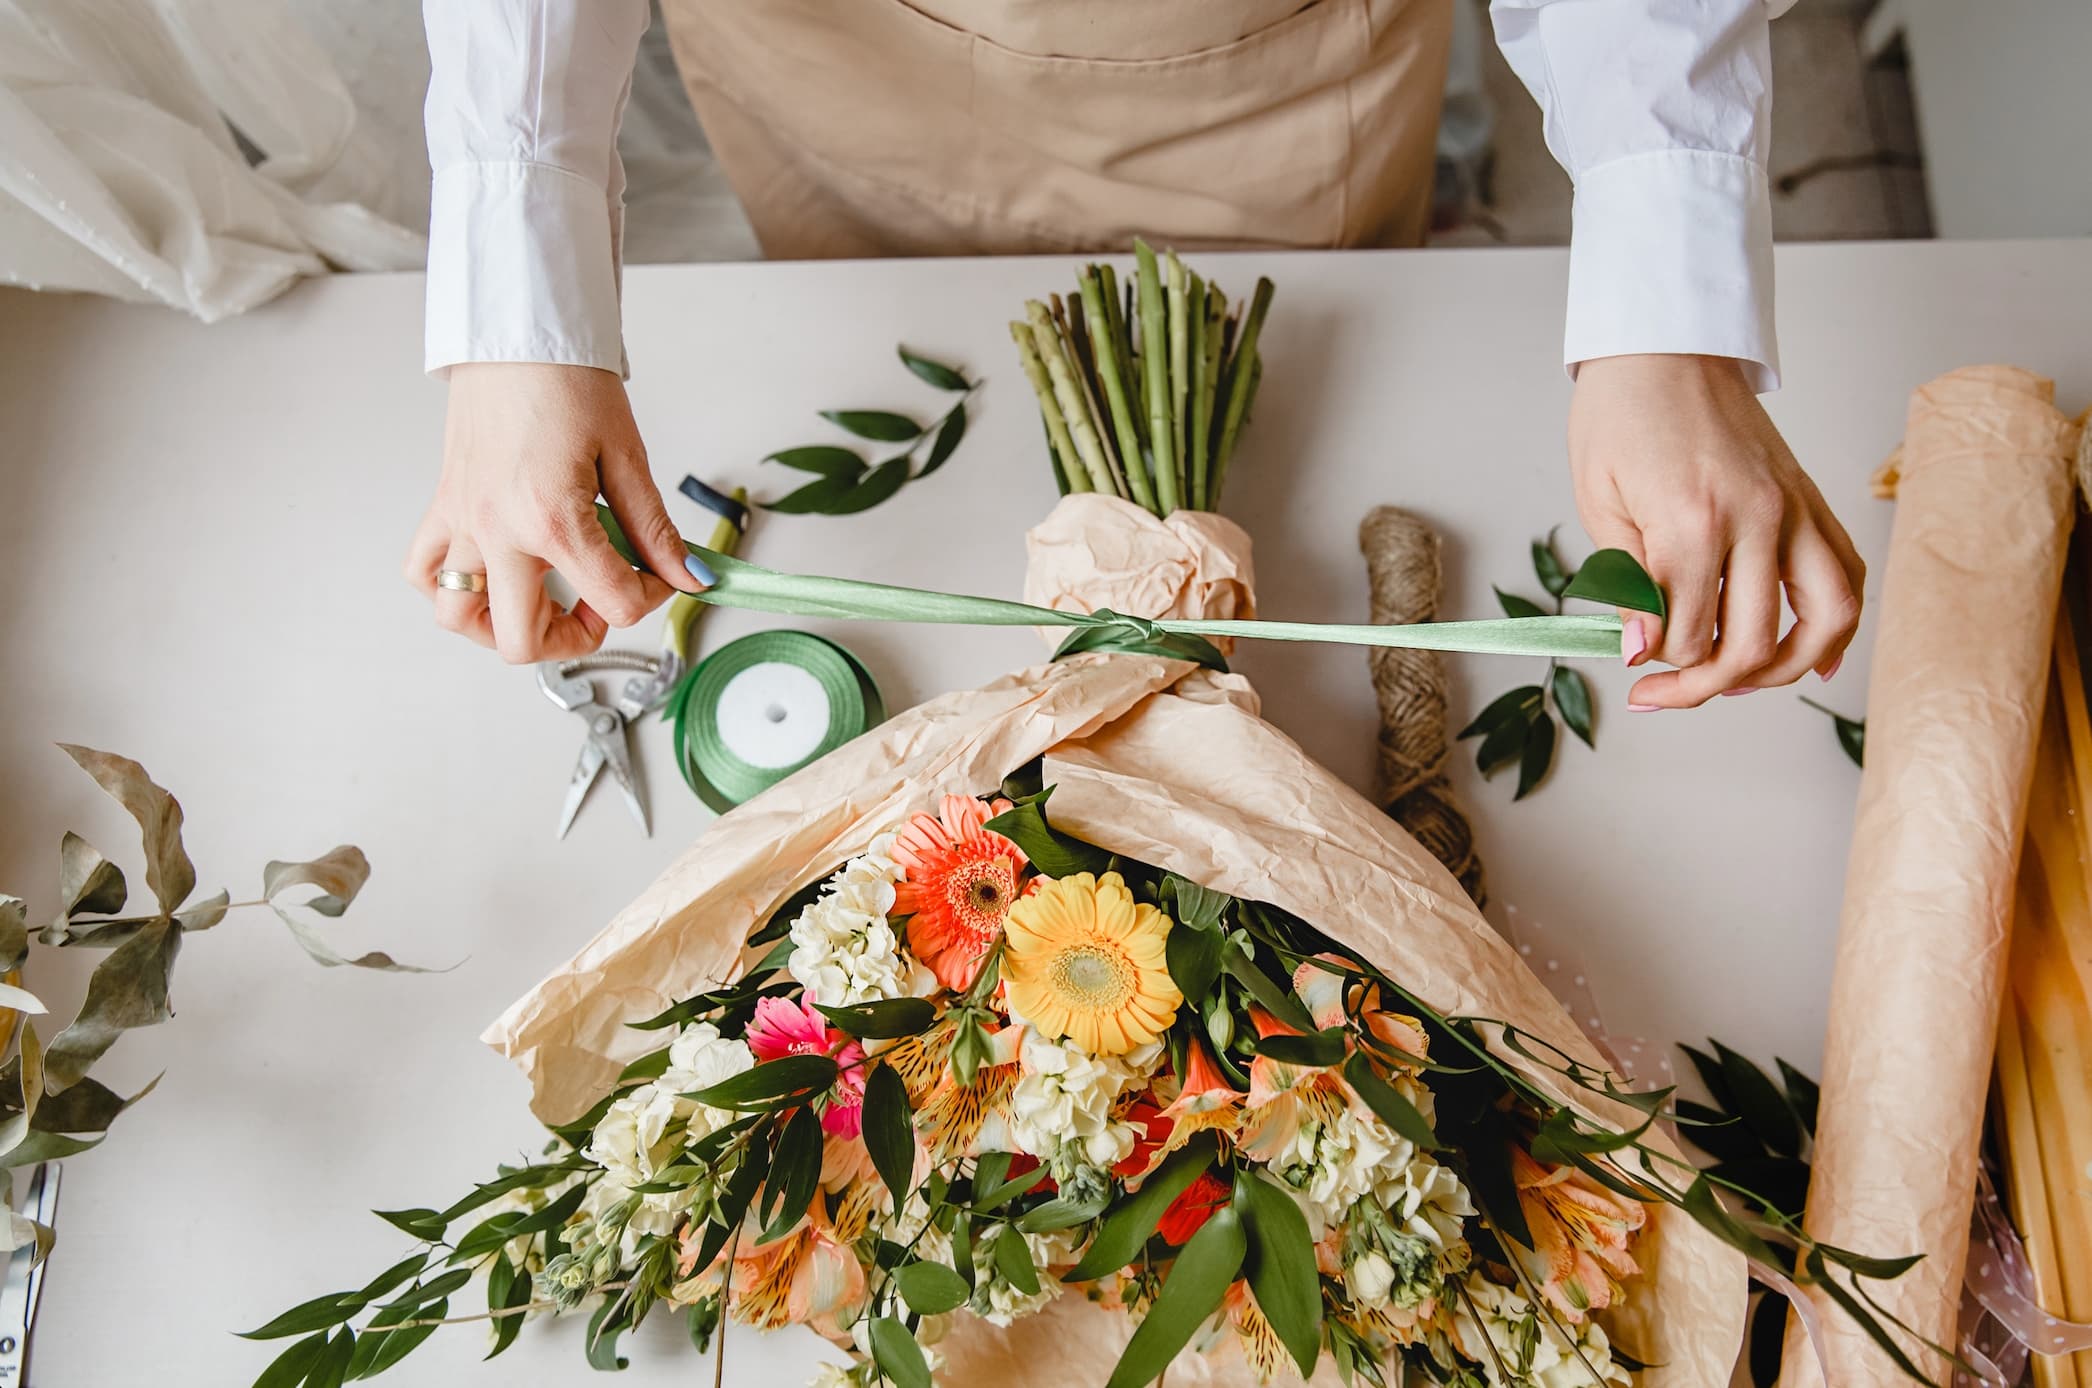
[1084,962]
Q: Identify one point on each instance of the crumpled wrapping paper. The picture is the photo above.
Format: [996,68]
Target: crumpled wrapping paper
[1968,606]
[1157,759]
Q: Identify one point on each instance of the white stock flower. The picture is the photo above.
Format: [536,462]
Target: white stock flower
[633,1139]
[1333,1165]
[1370,1279]
[699,1058]
[1528,1343]
[844,949]
[1061,1107]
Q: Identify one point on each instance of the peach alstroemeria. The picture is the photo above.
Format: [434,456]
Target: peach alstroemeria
[1333,998]
[1261,1347]
[808,1277]
[1284,1097]
[965,1120]
[958,881]
[1581,1232]
[781,1027]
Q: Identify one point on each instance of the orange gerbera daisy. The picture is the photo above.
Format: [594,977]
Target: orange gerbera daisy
[958,881]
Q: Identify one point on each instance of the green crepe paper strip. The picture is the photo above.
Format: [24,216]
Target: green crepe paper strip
[754,588]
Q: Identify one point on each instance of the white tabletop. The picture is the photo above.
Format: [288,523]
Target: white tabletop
[200,536]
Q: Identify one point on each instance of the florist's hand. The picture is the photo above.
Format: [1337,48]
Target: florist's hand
[1675,461]
[527,447]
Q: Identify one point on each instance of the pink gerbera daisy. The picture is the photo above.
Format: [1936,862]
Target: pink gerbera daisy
[958,883]
[782,1027]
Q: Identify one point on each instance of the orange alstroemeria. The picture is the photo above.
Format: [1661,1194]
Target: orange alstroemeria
[808,1277]
[1284,1097]
[1581,1232]
[1206,1101]
[1327,994]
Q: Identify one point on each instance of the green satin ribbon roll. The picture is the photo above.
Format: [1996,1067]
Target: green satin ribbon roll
[758,709]
[750,586]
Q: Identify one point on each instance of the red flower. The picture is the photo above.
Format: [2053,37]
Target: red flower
[1188,1213]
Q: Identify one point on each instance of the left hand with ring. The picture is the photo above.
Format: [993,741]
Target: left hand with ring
[1676,462]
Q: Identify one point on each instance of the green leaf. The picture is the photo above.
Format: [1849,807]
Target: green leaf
[1515,606]
[168,871]
[288,1369]
[1197,906]
[815,498]
[1877,1269]
[1388,1103]
[1714,1077]
[1280,1266]
[1760,1103]
[1547,565]
[889,1131]
[1014,1261]
[507,1290]
[1852,732]
[395,1276]
[333,1364]
[897,1354]
[935,372]
[882,426]
[1537,756]
[1279,1001]
[795,1174]
[1820,1276]
[1197,1282]
[88,883]
[931,1289]
[1489,1180]
[883,1019]
[320,1313]
[823,460]
[1317,1049]
[1572,699]
[1049,850]
[1614,577]
[1802,1094]
[1706,1210]
[1506,742]
[1131,1222]
[991,1191]
[947,441]
[1063,1212]
[609,1322]
[1716,1133]
[772,1084]
[878,485]
[496,1230]
[127,990]
[1193,956]
[1135,636]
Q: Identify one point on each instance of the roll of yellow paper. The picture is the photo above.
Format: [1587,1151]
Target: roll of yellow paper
[1960,673]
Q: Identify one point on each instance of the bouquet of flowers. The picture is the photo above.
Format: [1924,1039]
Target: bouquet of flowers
[1081,1027]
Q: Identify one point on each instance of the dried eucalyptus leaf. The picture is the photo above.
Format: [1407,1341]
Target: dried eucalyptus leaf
[205,913]
[31,1058]
[127,990]
[87,1106]
[168,870]
[14,932]
[42,1147]
[323,954]
[339,874]
[20,999]
[88,883]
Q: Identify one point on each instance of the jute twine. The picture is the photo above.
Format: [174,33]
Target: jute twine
[1402,571]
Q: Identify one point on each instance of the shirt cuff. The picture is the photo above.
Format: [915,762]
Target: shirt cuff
[1672,252]
[522,267]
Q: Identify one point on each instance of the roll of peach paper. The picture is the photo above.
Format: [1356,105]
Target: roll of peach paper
[1984,507]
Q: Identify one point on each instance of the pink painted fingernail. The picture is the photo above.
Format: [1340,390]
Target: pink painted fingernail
[1644,708]
[1746,689]
[1632,642]
[1831,669]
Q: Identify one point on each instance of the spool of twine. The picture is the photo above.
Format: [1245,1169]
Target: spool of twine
[1402,572]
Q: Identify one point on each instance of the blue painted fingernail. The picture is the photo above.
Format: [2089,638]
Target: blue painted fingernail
[701,571]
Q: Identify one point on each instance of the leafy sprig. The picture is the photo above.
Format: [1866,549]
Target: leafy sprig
[845,481]
[1518,727]
[50,1105]
[1852,732]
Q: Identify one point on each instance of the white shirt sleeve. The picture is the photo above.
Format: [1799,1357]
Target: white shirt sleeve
[1661,112]
[526,216]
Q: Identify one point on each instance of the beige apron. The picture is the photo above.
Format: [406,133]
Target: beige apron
[989,127]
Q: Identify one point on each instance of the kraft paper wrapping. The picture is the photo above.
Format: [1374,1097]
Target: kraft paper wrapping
[1960,669]
[1159,760]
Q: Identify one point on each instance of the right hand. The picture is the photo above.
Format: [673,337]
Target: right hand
[527,448]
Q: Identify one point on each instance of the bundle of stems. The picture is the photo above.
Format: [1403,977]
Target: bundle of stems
[2043,1108]
[1144,397]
